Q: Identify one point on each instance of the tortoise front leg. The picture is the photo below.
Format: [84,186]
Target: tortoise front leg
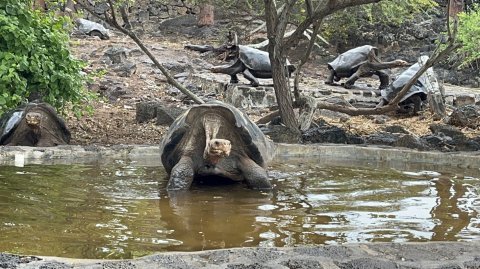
[181,176]
[384,79]
[329,80]
[255,175]
[253,80]
[351,80]
[234,79]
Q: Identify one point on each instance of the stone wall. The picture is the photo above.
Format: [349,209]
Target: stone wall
[143,11]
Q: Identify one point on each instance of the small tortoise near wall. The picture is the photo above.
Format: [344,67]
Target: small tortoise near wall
[215,139]
[33,124]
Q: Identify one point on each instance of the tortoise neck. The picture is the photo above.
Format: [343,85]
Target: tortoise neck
[386,65]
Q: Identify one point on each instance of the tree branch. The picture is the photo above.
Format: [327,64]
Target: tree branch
[324,8]
[114,23]
[438,54]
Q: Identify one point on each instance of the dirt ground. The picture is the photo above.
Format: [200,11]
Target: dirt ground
[113,120]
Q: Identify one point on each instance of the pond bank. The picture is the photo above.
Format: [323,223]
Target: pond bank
[374,255]
[150,155]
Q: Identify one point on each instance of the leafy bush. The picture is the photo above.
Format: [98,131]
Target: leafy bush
[469,35]
[35,59]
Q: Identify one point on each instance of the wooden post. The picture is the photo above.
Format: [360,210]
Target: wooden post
[434,95]
[206,15]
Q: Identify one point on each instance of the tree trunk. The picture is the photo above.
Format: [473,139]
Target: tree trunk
[306,113]
[39,4]
[124,14]
[206,15]
[455,7]
[283,94]
[434,95]
[276,25]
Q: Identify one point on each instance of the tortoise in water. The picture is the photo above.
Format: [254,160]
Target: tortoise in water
[360,62]
[33,124]
[251,62]
[412,101]
[215,139]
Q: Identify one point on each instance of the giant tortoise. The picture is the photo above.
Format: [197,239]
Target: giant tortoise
[92,28]
[253,63]
[33,124]
[360,62]
[215,139]
[412,101]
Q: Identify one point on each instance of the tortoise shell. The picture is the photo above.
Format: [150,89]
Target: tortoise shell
[396,86]
[255,59]
[346,62]
[252,141]
[11,121]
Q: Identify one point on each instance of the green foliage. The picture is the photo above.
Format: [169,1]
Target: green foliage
[391,12]
[469,35]
[35,58]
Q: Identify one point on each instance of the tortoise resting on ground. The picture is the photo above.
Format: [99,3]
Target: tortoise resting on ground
[253,63]
[360,62]
[215,139]
[412,101]
[33,124]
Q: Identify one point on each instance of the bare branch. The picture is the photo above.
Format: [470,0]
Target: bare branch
[303,60]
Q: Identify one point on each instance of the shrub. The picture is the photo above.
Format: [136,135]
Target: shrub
[469,35]
[35,59]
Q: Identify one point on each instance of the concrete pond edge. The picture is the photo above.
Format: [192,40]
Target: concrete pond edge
[150,154]
[369,255]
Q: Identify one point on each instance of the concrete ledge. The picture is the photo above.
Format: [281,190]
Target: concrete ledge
[374,255]
[150,155]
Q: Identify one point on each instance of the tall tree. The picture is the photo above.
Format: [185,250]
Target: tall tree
[279,46]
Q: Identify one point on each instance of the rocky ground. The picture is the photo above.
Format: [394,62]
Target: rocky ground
[379,255]
[122,86]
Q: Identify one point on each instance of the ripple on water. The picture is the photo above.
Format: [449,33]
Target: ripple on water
[121,211]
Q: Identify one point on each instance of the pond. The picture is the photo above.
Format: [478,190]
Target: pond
[121,210]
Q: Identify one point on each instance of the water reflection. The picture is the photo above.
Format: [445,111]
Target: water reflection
[211,217]
[453,210]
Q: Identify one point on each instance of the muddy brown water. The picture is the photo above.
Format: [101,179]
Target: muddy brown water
[120,210]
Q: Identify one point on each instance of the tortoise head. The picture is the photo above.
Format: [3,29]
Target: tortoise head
[33,119]
[217,149]
[400,62]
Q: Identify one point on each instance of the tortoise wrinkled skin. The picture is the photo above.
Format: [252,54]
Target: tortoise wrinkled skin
[33,124]
[215,139]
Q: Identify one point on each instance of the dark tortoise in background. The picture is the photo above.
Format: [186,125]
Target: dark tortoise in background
[360,62]
[252,63]
[215,139]
[33,124]
[413,100]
